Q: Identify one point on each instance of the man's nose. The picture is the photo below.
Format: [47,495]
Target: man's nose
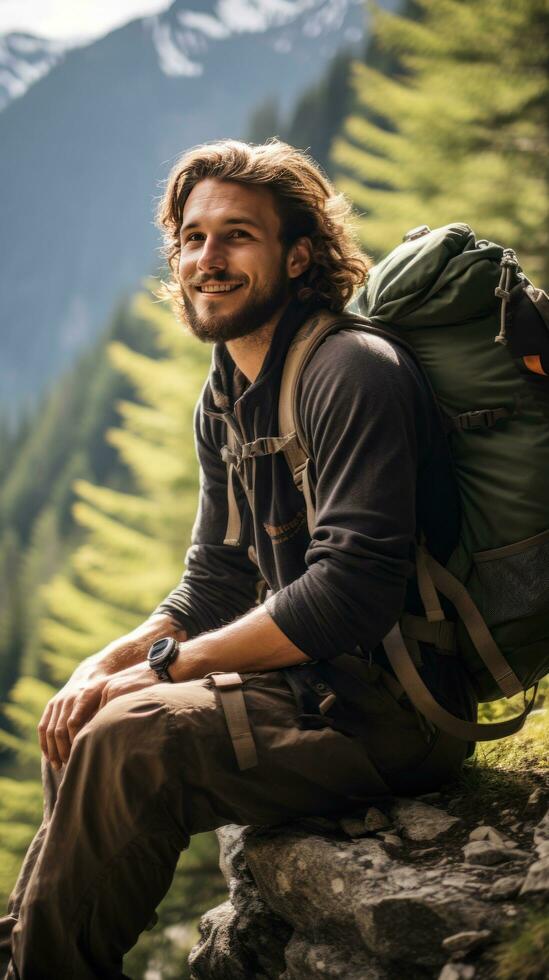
[212,256]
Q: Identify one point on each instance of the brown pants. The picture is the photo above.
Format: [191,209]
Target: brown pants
[156,766]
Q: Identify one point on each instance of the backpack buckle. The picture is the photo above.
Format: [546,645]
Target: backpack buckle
[414,233]
[476,420]
[483,418]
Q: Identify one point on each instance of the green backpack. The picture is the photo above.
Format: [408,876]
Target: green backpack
[480,331]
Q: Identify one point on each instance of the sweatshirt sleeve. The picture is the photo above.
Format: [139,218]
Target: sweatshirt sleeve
[360,405]
[220,581]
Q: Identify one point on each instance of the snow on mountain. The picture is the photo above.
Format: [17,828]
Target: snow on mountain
[183,36]
[25,59]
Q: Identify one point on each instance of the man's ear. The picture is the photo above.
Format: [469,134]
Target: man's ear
[299,257]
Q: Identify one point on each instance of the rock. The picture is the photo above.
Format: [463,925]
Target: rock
[360,825]
[485,853]
[411,929]
[391,840]
[485,832]
[354,826]
[535,797]
[541,832]
[429,797]
[506,887]
[325,899]
[456,880]
[231,857]
[310,961]
[221,955]
[242,937]
[462,943]
[537,879]
[313,881]
[420,821]
[457,971]
[357,894]
[404,878]
[375,820]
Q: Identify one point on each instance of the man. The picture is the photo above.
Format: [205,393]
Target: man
[153,751]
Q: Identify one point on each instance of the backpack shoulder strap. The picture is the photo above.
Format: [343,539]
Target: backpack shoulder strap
[304,344]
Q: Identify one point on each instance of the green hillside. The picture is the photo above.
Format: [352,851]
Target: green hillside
[116,551]
[60,441]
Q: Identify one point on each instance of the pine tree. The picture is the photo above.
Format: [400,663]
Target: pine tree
[265,122]
[318,113]
[316,117]
[39,562]
[11,614]
[461,134]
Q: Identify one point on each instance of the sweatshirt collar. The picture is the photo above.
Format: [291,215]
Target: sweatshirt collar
[228,384]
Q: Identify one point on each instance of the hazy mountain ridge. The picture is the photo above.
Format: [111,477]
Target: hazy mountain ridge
[86,148]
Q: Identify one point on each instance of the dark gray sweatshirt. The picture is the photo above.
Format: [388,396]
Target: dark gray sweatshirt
[381,470]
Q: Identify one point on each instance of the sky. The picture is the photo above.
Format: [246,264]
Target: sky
[62,19]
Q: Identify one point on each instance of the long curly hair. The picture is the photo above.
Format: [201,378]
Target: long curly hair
[307,203]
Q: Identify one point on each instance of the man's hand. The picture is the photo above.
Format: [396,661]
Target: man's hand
[66,713]
[73,706]
[82,696]
[132,679]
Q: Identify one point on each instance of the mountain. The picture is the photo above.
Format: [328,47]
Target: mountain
[87,146]
[25,59]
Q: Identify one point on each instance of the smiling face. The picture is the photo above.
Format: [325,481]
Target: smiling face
[234,271]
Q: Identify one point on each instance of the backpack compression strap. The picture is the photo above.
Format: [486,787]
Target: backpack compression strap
[421,697]
[402,663]
[432,576]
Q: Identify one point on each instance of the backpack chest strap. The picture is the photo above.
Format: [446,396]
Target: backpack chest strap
[233,455]
[264,446]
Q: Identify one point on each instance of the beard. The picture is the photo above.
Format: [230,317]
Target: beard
[261,306]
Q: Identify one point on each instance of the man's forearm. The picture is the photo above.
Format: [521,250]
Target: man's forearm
[129,649]
[252,643]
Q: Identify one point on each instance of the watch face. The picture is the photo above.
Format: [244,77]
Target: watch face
[161,652]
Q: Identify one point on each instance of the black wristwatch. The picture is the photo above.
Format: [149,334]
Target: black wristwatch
[163,653]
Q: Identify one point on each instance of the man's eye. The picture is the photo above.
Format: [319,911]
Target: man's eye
[195,236]
[239,233]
